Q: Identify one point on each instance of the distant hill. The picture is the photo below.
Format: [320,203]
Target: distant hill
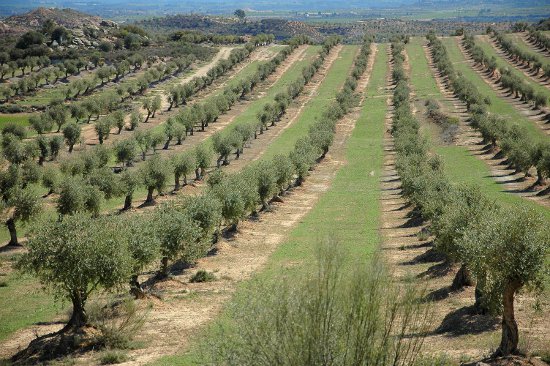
[281,28]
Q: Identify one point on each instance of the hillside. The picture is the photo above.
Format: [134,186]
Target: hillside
[280,28]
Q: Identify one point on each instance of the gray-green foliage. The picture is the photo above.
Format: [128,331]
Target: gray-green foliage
[330,317]
[77,255]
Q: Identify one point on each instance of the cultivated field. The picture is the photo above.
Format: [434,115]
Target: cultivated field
[191,199]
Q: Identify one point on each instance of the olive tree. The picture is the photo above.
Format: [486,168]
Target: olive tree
[203,157]
[143,246]
[75,256]
[178,234]
[119,120]
[129,181]
[103,129]
[71,133]
[507,251]
[266,182]
[22,205]
[183,165]
[154,175]
[125,152]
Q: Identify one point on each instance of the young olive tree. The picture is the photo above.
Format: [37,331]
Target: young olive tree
[143,246]
[71,133]
[179,236]
[22,205]
[154,175]
[183,165]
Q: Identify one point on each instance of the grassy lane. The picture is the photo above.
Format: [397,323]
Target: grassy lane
[460,164]
[489,49]
[425,87]
[21,119]
[22,302]
[335,78]
[352,200]
[498,105]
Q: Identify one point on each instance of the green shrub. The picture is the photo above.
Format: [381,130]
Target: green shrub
[202,276]
[117,323]
[112,357]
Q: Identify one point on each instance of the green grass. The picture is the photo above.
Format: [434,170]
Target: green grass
[352,201]
[425,86]
[460,164]
[503,63]
[498,105]
[21,119]
[315,107]
[23,303]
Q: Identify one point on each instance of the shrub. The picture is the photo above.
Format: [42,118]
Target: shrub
[347,318]
[117,322]
[202,276]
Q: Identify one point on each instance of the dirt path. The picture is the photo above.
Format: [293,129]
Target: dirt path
[188,307]
[538,117]
[471,139]
[455,330]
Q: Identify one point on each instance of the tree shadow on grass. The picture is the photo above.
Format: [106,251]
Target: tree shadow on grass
[466,320]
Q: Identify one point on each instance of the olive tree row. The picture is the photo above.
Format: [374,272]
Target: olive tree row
[539,39]
[522,151]
[502,250]
[79,254]
[524,58]
[507,78]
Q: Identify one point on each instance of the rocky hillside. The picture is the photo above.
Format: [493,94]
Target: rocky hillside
[68,18]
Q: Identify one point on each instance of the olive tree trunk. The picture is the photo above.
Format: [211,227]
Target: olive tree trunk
[150,198]
[13,232]
[462,278]
[135,288]
[510,334]
[79,318]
